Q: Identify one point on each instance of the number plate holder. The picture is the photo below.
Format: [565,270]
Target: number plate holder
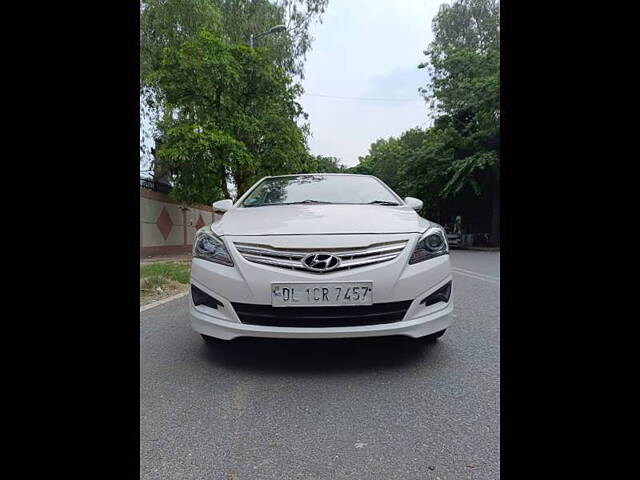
[329,294]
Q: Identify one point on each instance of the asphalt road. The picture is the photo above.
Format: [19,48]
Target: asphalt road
[387,408]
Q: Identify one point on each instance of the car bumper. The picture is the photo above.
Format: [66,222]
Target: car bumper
[208,321]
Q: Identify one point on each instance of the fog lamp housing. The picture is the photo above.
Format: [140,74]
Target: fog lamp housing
[441,295]
[201,298]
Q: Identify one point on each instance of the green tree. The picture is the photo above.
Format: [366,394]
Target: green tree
[470,24]
[322,164]
[241,18]
[233,118]
[388,159]
[168,24]
[464,63]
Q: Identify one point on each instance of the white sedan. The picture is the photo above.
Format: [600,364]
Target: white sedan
[320,256]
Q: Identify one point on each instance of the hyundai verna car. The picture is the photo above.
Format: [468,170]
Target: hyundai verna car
[320,256]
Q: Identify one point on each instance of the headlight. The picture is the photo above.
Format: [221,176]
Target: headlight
[209,247]
[432,244]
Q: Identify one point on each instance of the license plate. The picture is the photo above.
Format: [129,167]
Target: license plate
[321,294]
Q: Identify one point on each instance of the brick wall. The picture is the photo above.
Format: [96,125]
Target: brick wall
[168,227]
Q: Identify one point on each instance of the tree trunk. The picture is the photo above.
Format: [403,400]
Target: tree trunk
[495,216]
[160,172]
[223,187]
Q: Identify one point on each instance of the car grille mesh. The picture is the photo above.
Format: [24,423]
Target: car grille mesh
[316,317]
[291,258]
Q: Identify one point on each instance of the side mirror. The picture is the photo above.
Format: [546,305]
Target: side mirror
[222,205]
[414,203]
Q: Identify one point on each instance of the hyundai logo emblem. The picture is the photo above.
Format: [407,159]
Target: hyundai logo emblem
[320,262]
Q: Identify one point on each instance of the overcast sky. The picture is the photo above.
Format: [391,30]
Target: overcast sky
[366,49]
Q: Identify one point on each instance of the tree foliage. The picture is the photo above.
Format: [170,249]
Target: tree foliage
[322,164]
[468,24]
[241,18]
[166,25]
[234,118]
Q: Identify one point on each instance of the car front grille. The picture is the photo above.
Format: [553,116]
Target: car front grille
[318,317]
[291,258]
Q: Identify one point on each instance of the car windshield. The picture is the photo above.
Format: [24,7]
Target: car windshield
[349,189]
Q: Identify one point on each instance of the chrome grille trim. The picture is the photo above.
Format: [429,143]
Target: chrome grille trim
[350,257]
[249,251]
[371,251]
[280,262]
[367,261]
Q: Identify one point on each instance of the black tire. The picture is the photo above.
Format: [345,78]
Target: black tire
[435,336]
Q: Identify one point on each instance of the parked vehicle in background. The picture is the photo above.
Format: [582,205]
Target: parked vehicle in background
[320,256]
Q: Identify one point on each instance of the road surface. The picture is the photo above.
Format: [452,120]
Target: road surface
[387,408]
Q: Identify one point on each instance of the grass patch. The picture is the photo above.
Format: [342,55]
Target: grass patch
[152,282]
[155,278]
[178,272]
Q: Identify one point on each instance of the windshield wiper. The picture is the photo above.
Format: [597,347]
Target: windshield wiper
[303,201]
[383,202]
[288,203]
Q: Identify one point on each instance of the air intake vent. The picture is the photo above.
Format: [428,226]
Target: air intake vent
[315,317]
[201,298]
[441,295]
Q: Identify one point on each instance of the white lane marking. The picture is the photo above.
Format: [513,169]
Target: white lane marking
[490,277]
[161,302]
[476,276]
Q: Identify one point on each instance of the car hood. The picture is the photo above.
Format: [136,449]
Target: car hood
[319,219]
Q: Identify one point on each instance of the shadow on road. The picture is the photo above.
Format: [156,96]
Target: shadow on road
[319,356]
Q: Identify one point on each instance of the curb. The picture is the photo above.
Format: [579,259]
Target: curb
[480,249]
[163,301]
